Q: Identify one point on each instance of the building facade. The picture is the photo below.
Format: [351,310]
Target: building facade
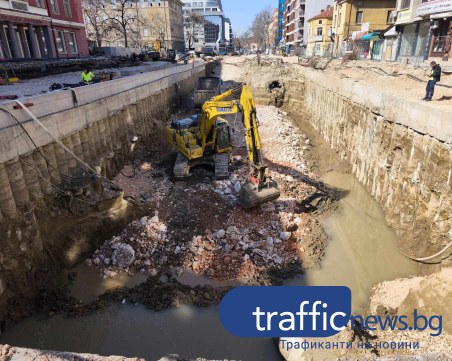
[229,35]
[357,24]
[281,9]
[36,29]
[273,31]
[296,14]
[162,21]
[212,33]
[319,33]
[438,15]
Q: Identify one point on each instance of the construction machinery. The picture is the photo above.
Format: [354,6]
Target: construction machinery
[206,139]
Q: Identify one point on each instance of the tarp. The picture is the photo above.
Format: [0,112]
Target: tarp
[371,36]
[360,35]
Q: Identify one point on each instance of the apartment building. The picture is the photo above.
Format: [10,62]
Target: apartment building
[36,29]
[364,20]
[212,33]
[319,33]
[273,30]
[162,21]
[296,14]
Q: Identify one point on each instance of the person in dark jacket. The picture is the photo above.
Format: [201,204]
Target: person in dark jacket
[435,76]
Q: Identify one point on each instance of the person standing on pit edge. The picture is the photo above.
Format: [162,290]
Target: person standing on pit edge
[435,76]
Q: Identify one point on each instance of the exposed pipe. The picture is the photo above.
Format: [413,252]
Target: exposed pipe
[431,257]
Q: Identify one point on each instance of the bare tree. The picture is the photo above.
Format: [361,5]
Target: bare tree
[97,29]
[259,28]
[122,16]
[244,40]
[192,24]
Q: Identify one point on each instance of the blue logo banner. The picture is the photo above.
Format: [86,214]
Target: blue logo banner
[253,312]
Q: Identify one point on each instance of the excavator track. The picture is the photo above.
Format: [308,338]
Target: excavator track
[221,165]
[181,169]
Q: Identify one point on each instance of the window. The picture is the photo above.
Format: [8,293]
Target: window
[405,4]
[59,38]
[319,31]
[392,17]
[72,42]
[145,32]
[67,8]
[320,22]
[317,48]
[40,3]
[359,17]
[54,6]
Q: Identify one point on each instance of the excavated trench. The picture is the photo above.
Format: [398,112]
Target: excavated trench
[170,305]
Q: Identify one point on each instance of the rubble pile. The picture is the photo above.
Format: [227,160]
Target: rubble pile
[198,226]
[141,247]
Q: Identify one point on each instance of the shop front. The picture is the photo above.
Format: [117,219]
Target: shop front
[439,14]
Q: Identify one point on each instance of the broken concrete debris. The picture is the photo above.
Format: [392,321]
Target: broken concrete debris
[241,246]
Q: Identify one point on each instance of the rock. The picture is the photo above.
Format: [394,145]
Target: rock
[153,272]
[162,228]
[227,191]
[177,250]
[237,187]
[285,236]
[107,261]
[246,257]
[196,266]
[233,178]
[97,261]
[144,221]
[147,263]
[179,271]
[220,234]
[123,255]
[154,219]
[232,229]
[307,141]
[164,279]
[270,241]
[297,221]
[277,259]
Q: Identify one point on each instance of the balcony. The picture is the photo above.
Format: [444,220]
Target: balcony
[318,38]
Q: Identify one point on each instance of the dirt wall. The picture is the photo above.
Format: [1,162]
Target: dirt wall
[400,155]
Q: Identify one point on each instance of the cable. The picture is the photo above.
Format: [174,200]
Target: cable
[34,144]
[61,144]
[36,170]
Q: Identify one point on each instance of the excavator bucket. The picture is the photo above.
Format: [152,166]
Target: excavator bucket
[251,197]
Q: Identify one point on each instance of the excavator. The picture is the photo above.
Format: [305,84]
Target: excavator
[206,139]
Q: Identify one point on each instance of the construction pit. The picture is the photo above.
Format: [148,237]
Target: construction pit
[138,265]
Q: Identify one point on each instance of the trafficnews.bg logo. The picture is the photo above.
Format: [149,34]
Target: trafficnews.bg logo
[253,312]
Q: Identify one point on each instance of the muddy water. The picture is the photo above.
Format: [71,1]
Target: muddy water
[362,252]
[363,249]
[90,284]
[135,331]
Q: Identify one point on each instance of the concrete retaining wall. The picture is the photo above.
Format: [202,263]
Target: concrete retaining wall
[95,122]
[51,210]
[399,149]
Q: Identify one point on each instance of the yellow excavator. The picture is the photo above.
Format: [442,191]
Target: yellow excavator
[206,139]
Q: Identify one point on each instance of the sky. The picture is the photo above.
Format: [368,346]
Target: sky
[241,12]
